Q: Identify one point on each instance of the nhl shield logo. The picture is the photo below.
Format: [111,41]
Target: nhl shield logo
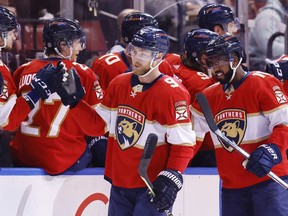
[232,123]
[130,124]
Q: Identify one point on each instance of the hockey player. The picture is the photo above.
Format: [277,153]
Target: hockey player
[191,71]
[218,18]
[110,65]
[12,110]
[50,138]
[136,104]
[255,118]
[120,45]
[190,68]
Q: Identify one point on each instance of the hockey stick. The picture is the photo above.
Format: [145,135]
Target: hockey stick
[202,100]
[149,148]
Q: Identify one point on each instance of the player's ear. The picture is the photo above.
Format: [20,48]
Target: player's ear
[159,56]
[62,45]
[218,29]
[235,60]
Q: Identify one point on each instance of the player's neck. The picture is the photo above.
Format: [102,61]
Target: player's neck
[151,77]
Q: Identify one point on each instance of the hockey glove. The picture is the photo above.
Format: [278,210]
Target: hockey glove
[72,91]
[263,159]
[278,69]
[166,187]
[98,146]
[48,79]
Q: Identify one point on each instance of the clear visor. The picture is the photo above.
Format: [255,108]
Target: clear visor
[17,31]
[75,42]
[140,53]
[83,42]
[232,27]
[216,61]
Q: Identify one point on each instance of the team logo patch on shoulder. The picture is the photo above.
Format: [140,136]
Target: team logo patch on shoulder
[281,98]
[4,94]
[98,90]
[130,124]
[181,110]
[232,123]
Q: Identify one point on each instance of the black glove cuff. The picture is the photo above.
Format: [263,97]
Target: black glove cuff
[278,69]
[173,176]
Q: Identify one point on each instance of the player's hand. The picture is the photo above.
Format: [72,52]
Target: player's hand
[263,159]
[98,146]
[48,79]
[278,69]
[166,187]
[1,83]
[72,91]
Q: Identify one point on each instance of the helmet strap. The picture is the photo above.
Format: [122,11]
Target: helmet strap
[234,69]
[151,66]
[64,57]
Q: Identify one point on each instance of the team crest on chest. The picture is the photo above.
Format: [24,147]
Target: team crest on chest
[135,89]
[232,123]
[130,124]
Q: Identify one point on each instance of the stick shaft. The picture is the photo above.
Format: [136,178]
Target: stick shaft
[202,100]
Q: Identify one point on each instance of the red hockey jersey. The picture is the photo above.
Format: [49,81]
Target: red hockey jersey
[132,110]
[108,66]
[253,113]
[194,81]
[12,110]
[51,137]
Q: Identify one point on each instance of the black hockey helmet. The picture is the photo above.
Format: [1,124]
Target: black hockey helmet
[151,38]
[134,22]
[8,20]
[214,14]
[225,45]
[195,43]
[62,29]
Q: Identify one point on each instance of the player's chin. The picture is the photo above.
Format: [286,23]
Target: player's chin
[74,57]
[138,71]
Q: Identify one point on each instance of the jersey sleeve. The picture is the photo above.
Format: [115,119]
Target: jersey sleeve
[91,123]
[12,110]
[177,118]
[274,104]
[93,91]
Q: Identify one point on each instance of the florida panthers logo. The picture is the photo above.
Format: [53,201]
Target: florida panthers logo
[232,122]
[130,124]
